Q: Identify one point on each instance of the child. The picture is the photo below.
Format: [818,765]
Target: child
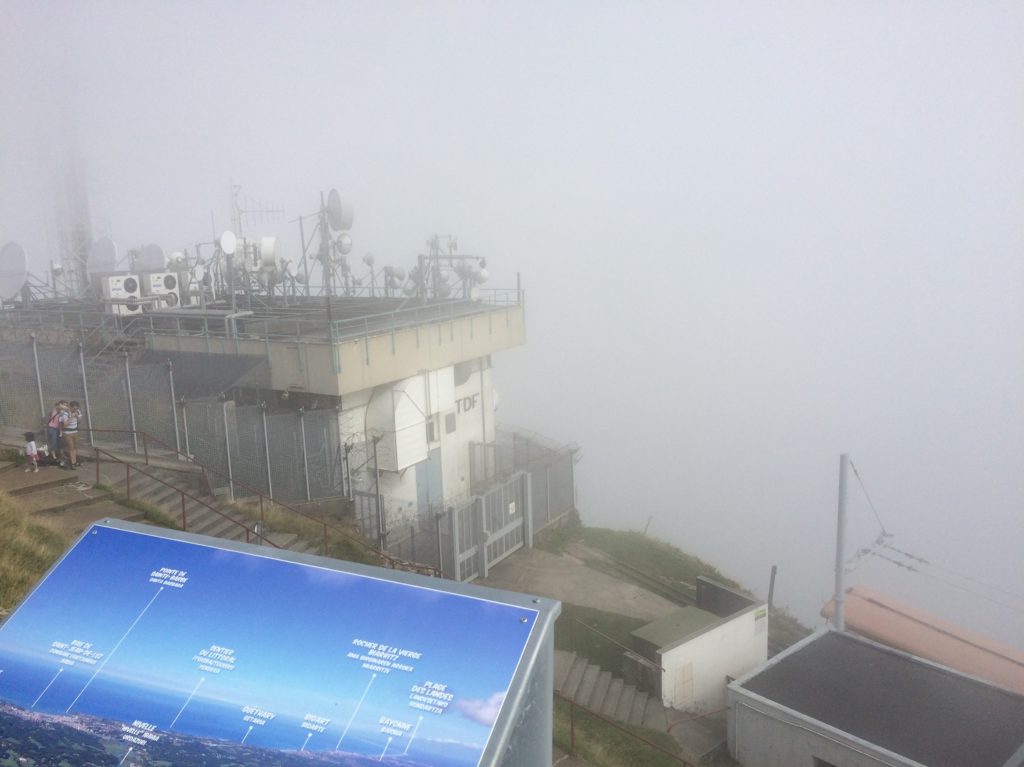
[31,453]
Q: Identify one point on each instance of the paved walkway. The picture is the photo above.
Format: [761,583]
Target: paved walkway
[566,578]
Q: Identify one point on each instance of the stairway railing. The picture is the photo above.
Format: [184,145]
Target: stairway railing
[250,533]
[389,560]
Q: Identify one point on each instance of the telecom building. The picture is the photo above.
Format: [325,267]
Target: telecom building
[359,388]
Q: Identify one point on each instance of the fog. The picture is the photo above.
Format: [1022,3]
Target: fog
[753,236]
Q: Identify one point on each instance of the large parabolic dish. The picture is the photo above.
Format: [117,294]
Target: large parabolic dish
[102,256]
[13,270]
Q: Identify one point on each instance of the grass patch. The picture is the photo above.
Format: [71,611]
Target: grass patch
[784,630]
[556,538]
[569,635]
[603,745]
[667,562]
[29,548]
[653,556]
[342,542]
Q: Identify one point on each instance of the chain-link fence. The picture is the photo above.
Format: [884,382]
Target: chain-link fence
[291,456]
[550,466]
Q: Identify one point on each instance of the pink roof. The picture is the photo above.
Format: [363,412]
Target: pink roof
[880,617]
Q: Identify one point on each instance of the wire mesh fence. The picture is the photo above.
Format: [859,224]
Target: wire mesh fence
[292,456]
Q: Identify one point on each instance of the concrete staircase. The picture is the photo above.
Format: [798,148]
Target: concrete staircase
[209,515]
[589,686]
[595,689]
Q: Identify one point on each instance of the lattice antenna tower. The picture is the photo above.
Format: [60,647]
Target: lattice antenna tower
[246,211]
[74,227]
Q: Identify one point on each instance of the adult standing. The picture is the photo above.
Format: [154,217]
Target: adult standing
[71,435]
[54,427]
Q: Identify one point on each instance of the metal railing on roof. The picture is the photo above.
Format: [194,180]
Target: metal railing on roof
[288,323]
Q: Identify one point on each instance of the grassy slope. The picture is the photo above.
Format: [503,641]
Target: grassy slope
[29,548]
[656,558]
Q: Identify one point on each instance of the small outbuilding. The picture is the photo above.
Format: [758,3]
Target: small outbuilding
[837,700]
[689,656]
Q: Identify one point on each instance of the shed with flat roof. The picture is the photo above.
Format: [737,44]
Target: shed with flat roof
[836,700]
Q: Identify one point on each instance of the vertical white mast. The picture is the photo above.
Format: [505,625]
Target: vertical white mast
[839,618]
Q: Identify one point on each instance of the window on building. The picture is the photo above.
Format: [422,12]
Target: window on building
[430,430]
[449,423]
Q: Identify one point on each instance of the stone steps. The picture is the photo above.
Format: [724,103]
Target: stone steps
[204,515]
[593,688]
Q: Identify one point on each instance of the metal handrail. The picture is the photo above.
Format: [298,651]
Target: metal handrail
[341,329]
[572,730]
[184,518]
[391,561]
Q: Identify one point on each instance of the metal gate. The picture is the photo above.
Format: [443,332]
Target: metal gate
[490,527]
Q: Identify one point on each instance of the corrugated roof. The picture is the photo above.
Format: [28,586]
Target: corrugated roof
[924,712]
[879,617]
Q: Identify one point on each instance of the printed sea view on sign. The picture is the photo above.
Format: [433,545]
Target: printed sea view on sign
[159,647]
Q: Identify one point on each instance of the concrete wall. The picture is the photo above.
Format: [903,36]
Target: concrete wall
[362,363]
[695,672]
[400,413]
[761,734]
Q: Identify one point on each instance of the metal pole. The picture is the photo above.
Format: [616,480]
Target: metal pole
[131,404]
[771,588]
[840,597]
[39,378]
[266,445]
[85,392]
[227,450]
[305,463]
[305,261]
[348,473]
[381,533]
[440,551]
[174,406]
[184,425]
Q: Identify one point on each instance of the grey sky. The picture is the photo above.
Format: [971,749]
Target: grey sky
[753,235]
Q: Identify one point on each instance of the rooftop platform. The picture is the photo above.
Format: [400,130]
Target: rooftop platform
[923,712]
[334,347]
[878,616]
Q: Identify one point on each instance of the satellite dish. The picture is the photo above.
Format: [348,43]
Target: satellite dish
[56,269]
[481,276]
[368,259]
[198,272]
[339,215]
[270,254]
[151,259]
[227,242]
[343,244]
[176,261]
[291,269]
[13,270]
[103,256]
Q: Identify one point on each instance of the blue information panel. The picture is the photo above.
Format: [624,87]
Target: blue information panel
[140,649]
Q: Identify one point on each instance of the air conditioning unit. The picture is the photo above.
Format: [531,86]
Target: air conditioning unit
[118,288]
[163,284]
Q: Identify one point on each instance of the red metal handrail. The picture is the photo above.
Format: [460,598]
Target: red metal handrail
[184,520]
[572,730]
[390,560]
